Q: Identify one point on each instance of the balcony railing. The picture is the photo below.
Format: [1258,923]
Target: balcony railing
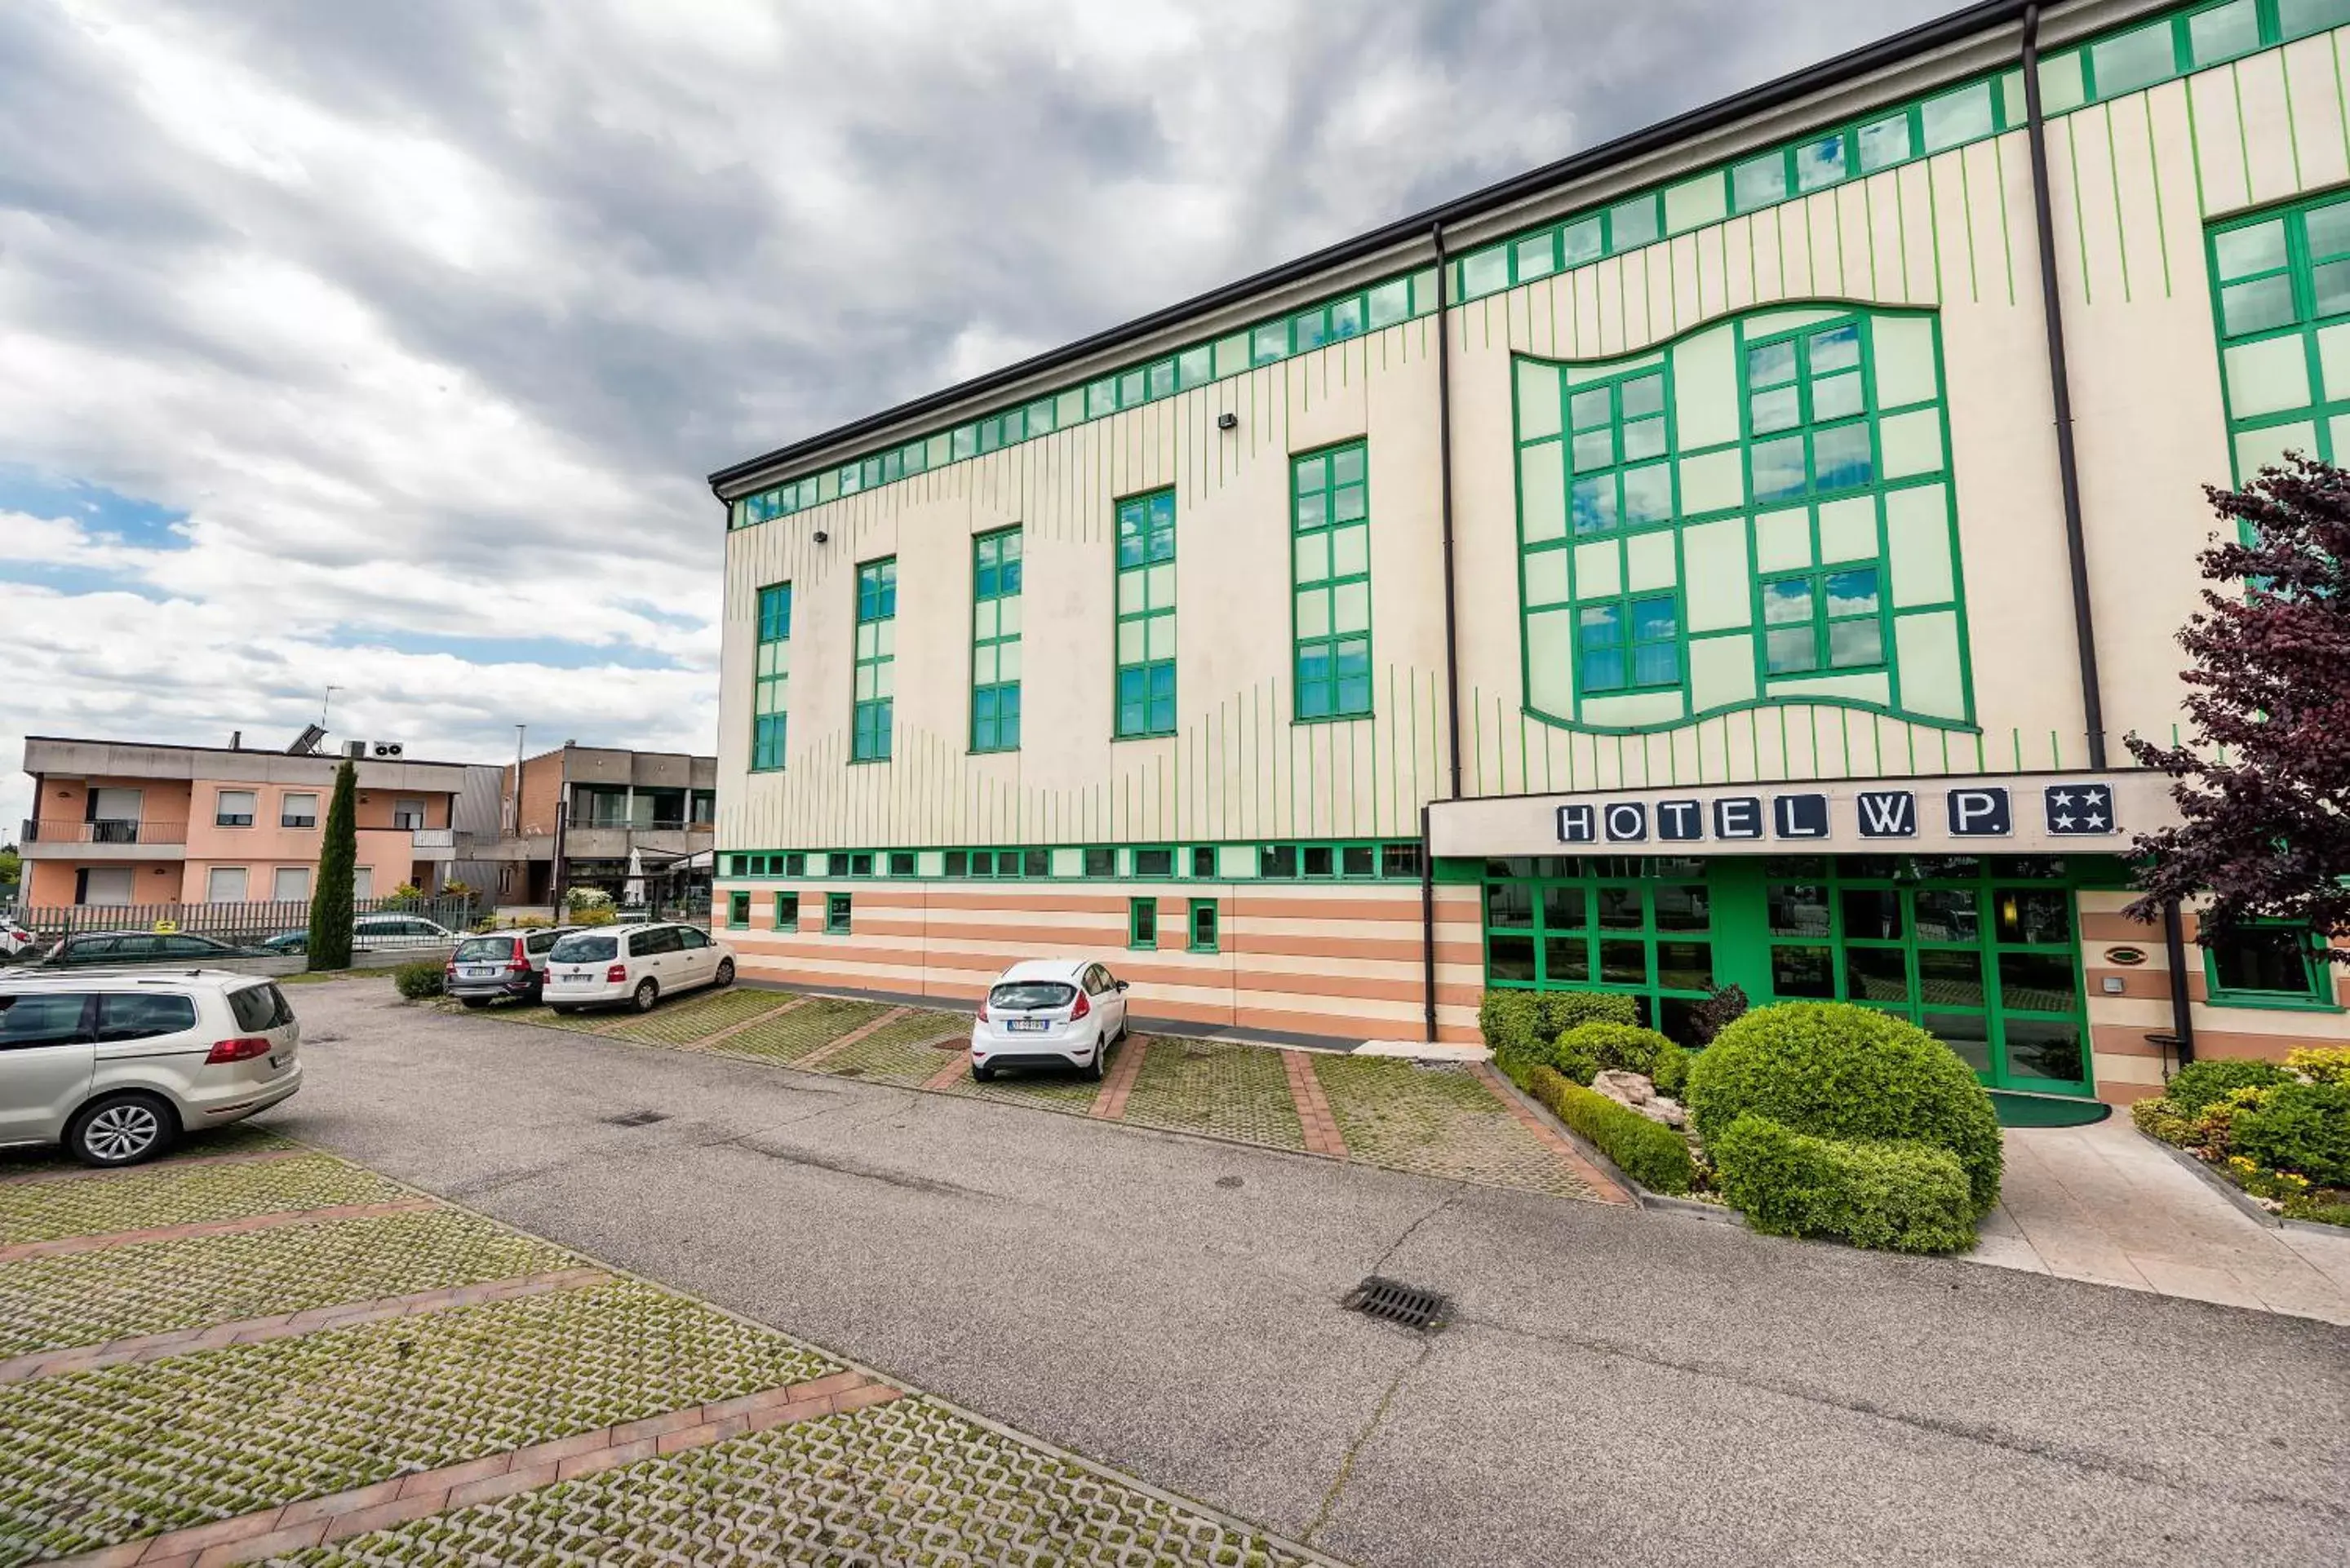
[110,830]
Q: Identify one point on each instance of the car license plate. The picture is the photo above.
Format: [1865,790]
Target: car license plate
[478,971]
[1030,1025]
[573,979]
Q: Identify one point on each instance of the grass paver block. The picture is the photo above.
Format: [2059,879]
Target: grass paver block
[786,1039]
[900,1053]
[153,1287]
[691,1020]
[545,1017]
[1437,1121]
[1049,1088]
[237,1137]
[1215,1086]
[905,1482]
[95,1459]
[150,1197]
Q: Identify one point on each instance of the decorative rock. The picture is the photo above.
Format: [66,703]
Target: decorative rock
[1627,1089]
[1665,1109]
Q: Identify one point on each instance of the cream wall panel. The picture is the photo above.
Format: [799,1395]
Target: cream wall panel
[2223,165]
[2269,155]
[2313,71]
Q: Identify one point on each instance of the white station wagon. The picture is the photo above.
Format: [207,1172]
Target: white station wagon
[637,965]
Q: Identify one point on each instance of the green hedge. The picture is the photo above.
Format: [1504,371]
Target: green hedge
[1850,1073]
[1523,1028]
[1648,1152]
[2301,1127]
[419,980]
[1901,1197]
[2198,1084]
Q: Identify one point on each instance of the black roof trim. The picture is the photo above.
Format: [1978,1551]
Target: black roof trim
[1921,39]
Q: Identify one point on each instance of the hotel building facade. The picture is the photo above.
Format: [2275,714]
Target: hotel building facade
[1731,554]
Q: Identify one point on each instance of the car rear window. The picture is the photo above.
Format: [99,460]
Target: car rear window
[585,949]
[1031,995]
[484,950]
[262,1006]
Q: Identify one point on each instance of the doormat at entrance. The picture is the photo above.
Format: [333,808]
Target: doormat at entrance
[2047,1110]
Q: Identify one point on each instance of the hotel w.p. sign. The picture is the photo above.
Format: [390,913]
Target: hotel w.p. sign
[2076,808]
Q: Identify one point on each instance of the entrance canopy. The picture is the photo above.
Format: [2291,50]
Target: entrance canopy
[2010,814]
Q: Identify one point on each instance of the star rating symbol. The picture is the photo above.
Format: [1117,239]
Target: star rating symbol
[2062,797]
[2096,822]
[2065,821]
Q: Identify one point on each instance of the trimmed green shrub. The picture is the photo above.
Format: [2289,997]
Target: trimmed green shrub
[2198,1084]
[1670,1074]
[419,980]
[1566,1010]
[2301,1127]
[2158,1118]
[1648,1152]
[1895,1196]
[1833,1070]
[2320,1064]
[1624,1047]
[1512,1022]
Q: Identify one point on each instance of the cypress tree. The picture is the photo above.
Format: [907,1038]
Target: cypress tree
[330,905]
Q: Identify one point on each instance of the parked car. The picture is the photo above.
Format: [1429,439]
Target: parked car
[635,964]
[501,964]
[16,940]
[1048,1012]
[78,948]
[374,933]
[117,1065]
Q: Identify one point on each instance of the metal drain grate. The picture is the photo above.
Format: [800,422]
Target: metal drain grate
[1392,1301]
[636,1119]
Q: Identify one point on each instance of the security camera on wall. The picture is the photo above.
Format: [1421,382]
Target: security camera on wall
[821,535]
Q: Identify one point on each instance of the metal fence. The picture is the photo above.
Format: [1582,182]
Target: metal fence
[243,923]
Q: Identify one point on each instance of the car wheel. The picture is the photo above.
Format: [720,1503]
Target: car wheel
[1094,1068]
[472,1002]
[558,1007]
[647,993]
[725,972]
[122,1130]
[980,1072]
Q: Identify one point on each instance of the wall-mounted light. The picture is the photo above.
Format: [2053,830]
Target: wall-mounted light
[2113,984]
[821,535]
[1228,421]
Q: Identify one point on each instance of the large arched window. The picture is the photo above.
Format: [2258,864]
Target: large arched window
[1758,512]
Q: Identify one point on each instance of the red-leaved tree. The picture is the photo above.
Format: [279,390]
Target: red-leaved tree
[2264,786]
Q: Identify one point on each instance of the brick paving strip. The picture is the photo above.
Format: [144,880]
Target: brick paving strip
[246,1157]
[288,1326]
[1109,1105]
[956,1067]
[823,1053]
[337,1517]
[1602,1188]
[66,1246]
[1314,1114]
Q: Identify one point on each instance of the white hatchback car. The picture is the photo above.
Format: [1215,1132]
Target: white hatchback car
[634,964]
[117,1065]
[1049,1012]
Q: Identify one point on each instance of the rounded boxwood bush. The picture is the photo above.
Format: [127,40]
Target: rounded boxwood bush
[1837,1071]
[2301,1127]
[1564,1010]
[1588,1049]
[1905,1196]
[419,980]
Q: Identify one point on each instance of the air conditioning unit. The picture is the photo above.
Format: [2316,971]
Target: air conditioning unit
[354,748]
[390,749]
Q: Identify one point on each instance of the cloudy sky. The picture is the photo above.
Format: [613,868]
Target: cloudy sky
[385,347]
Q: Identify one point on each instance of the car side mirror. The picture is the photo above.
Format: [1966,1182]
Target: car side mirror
[1121,985]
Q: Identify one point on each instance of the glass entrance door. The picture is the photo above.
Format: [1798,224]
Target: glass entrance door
[1982,954]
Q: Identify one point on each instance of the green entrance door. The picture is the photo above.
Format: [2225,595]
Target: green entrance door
[1983,954]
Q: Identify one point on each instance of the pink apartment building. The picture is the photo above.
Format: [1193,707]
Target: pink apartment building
[121,823]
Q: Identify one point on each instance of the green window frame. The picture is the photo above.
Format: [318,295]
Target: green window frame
[1145,615]
[1204,925]
[2271,964]
[838,909]
[1807,414]
[1631,643]
[738,910]
[2281,298]
[1142,923]
[996,574]
[1330,558]
[1642,926]
[771,678]
[1983,954]
[1830,619]
[787,912]
[1620,445]
[876,660]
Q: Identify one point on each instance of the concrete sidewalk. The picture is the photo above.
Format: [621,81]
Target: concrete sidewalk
[2105,1204]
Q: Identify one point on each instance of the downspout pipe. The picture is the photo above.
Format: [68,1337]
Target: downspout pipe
[1451,625]
[2174,948]
[2068,470]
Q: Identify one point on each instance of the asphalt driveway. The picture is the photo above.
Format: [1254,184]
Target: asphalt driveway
[1616,1387]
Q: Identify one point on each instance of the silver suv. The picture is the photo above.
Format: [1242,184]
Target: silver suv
[117,1065]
